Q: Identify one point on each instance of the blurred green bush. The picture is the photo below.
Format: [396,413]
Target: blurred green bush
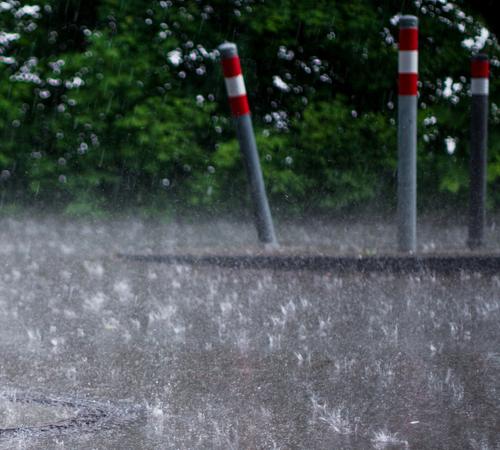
[112,104]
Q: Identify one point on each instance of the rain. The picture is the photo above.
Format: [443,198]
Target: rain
[208,240]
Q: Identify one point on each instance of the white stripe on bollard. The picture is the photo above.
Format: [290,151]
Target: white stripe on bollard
[408,61]
[479,86]
[235,86]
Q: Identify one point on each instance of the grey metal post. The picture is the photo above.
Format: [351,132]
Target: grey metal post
[238,100]
[407,134]
[478,149]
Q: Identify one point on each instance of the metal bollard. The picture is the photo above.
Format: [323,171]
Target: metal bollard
[238,101]
[407,134]
[480,72]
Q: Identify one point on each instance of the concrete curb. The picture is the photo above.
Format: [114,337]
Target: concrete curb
[445,264]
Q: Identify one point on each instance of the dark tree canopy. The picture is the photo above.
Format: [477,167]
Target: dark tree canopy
[123,101]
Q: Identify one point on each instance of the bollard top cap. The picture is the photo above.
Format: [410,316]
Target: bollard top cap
[408,22]
[480,57]
[228,50]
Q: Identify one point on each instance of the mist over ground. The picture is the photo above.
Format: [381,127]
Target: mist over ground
[195,357]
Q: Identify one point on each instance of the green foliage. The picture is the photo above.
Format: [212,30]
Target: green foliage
[354,159]
[113,103]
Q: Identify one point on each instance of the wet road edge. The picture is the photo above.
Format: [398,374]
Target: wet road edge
[445,264]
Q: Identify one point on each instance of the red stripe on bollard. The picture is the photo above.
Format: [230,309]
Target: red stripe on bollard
[408,84]
[239,105]
[231,66]
[408,39]
[480,68]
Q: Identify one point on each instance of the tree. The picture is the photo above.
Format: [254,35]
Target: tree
[110,100]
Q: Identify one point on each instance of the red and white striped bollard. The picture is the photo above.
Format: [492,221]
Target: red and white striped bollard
[240,110]
[407,133]
[480,72]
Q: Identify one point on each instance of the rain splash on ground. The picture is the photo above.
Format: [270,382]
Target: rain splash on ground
[131,355]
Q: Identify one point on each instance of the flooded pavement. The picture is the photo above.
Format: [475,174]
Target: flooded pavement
[177,356]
